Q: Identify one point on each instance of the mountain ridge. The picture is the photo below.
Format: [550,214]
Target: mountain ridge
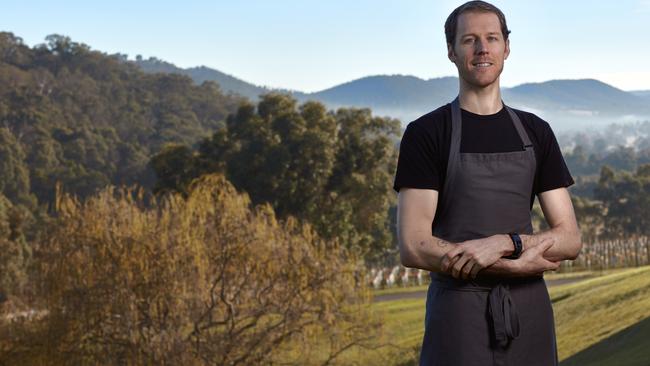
[564,103]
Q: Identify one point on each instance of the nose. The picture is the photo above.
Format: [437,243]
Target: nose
[481,47]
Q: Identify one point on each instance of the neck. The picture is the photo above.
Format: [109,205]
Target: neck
[486,100]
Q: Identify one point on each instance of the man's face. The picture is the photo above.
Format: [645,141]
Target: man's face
[478,41]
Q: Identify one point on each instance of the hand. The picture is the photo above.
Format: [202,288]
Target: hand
[471,256]
[532,261]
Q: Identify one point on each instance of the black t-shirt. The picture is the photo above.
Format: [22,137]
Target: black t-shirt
[424,149]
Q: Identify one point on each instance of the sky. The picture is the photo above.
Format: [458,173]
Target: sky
[313,45]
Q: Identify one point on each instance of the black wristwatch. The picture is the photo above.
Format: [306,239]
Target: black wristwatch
[516,240]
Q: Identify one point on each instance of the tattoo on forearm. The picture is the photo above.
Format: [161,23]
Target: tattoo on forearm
[442,243]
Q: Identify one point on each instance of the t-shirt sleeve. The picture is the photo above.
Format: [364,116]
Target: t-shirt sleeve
[416,164]
[553,172]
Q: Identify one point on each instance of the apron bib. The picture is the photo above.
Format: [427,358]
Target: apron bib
[487,321]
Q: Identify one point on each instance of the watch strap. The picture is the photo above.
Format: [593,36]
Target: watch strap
[516,241]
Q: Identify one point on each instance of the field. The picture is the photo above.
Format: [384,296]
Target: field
[601,320]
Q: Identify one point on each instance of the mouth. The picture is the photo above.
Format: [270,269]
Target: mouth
[482,64]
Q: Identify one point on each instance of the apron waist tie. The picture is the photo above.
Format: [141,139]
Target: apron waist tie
[503,313]
[501,308]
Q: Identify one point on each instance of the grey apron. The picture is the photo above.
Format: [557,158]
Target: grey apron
[488,320]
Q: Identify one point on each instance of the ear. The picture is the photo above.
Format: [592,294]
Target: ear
[450,53]
[507,49]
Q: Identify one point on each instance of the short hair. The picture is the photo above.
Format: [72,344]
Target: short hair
[478,6]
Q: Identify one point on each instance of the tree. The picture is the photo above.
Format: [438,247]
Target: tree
[625,198]
[204,279]
[15,252]
[88,119]
[174,167]
[14,175]
[331,169]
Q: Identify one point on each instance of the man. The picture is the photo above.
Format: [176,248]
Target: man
[484,162]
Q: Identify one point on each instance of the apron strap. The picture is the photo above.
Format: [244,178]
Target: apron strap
[520,127]
[454,156]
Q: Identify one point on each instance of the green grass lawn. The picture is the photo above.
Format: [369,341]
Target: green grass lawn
[588,316]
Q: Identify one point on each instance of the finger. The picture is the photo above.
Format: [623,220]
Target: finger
[467,269]
[475,271]
[447,259]
[458,266]
[454,260]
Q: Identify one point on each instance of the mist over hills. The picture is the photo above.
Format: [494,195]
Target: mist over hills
[645,94]
[568,105]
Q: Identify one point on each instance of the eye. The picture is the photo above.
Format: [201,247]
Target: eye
[492,38]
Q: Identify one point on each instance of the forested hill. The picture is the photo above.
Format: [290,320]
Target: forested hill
[228,83]
[88,119]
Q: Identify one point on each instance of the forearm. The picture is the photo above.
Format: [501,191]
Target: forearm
[426,252]
[502,268]
[566,243]
[423,250]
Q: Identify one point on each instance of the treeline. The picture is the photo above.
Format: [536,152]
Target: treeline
[87,119]
[620,208]
[615,223]
[582,162]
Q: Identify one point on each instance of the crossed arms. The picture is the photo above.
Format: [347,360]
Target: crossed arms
[542,251]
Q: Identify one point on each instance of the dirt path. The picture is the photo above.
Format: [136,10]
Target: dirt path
[423,294]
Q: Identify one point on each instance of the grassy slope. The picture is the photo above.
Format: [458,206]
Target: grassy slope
[586,313]
[593,310]
[630,347]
